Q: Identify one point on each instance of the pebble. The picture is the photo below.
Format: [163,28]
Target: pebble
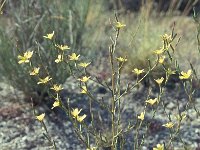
[26,133]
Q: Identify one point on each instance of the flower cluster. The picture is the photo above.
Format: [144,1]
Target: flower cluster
[75,114]
[35,71]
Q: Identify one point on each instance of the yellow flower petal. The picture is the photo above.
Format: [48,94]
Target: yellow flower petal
[167,38]
[75,112]
[40,117]
[81,118]
[141,116]
[161,59]
[84,79]
[49,36]
[84,90]
[185,75]
[45,80]
[159,81]
[57,87]
[62,47]
[25,58]
[28,54]
[59,59]
[22,60]
[159,147]
[168,125]
[121,59]
[35,71]
[73,56]
[137,71]
[56,104]
[84,65]
[120,25]
[152,101]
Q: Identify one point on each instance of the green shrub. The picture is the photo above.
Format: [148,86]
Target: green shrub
[21,30]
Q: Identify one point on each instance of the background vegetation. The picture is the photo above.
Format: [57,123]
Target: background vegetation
[85,26]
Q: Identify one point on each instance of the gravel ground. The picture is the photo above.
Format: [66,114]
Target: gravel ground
[20,130]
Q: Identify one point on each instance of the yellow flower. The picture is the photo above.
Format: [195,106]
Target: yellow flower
[49,36]
[159,81]
[40,117]
[56,104]
[159,147]
[62,47]
[73,56]
[57,87]
[59,59]
[45,80]
[121,59]
[120,25]
[161,59]
[22,60]
[75,112]
[84,79]
[159,51]
[81,118]
[185,75]
[152,101]
[25,58]
[84,90]
[167,38]
[28,54]
[84,65]
[137,71]
[168,125]
[141,116]
[35,71]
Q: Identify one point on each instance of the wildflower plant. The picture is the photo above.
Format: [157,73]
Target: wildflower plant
[84,128]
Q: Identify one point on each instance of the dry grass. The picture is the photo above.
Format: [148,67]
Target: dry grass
[142,35]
